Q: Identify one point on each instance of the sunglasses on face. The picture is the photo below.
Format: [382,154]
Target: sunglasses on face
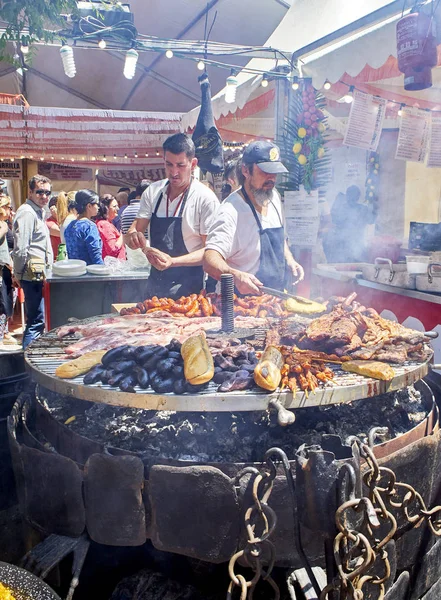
[43,193]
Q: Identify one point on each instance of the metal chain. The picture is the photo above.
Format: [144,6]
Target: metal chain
[355,553]
[260,521]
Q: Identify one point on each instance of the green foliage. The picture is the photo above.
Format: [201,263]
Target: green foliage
[303,144]
[31,21]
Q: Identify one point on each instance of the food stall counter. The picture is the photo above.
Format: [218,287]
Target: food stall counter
[90,295]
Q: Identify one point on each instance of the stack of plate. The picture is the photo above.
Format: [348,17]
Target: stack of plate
[98,269]
[69,268]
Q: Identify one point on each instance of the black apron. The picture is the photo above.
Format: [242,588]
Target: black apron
[272,251]
[166,236]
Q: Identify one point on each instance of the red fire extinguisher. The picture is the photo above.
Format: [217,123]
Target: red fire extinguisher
[416,50]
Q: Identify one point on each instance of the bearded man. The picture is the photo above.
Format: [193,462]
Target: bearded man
[247,238]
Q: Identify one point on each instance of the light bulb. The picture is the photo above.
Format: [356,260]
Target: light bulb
[72,160]
[295,83]
[41,158]
[349,97]
[230,92]
[146,154]
[114,157]
[125,156]
[201,65]
[22,156]
[102,44]
[400,110]
[130,64]
[327,85]
[24,49]
[169,54]
[52,157]
[93,157]
[136,155]
[67,56]
[157,152]
[264,82]
[104,158]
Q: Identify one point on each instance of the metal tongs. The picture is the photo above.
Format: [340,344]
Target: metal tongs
[284,295]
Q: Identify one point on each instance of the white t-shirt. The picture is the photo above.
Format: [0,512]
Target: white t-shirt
[70,217]
[197,217]
[235,234]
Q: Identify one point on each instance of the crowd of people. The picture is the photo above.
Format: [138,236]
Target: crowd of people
[179,227]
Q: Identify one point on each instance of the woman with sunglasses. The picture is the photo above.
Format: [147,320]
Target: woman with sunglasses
[112,239]
[83,240]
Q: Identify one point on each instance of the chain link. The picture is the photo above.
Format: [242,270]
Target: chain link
[260,521]
[357,552]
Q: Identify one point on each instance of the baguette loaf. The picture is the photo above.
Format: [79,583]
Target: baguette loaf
[80,365]
[267,373]
[198,362]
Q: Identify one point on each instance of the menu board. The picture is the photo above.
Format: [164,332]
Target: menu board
[413,135]
[65,172]
[434,153]
[302,217]
[365,121]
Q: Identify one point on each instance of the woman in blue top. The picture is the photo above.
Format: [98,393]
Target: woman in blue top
[83,240]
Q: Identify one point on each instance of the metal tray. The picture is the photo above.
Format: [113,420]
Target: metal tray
[430,281]
[385,272]
[46,354]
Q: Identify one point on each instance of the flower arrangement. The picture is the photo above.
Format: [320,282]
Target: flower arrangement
[304,140]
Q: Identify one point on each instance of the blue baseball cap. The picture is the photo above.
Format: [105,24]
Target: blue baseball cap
[264,154]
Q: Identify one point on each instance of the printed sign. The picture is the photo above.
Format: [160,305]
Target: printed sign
[11,169]
[365,121]
[65,172]
[130,176]
[434,154]
[302,217]
[413,135]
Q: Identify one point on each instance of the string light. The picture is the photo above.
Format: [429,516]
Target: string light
[264,83]
[201,65]
[72,160]
[146,154]
[67,56]
[102,44]
[41,158]
[157,152]
[295,83]
[231,83]
[136,155]
[130,64]
[104,158]
[93,157]
[24,49]
[327,85]
[400,110]
[125,156]
[114,157]
[52,157]
[169,54]
[22,157]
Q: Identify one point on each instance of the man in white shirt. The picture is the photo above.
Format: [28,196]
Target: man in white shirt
[247,238]
[178,211]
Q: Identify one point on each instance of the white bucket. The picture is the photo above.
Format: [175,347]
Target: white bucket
[417,264]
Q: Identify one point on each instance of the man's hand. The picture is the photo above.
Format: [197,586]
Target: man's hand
[15,281]
[159,260]
[136,240]
[297,271]
[247,283]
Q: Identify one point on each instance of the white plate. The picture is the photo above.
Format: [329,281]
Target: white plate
[68,264]
[98,270]
[72,273]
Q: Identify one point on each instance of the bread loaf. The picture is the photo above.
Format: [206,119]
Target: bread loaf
[370,368]
[198,362]
[79,366]
[267,373]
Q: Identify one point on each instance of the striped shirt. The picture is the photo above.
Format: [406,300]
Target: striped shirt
[129,214]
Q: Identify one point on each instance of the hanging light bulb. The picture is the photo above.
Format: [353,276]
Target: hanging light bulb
[93,157]
[264,82]
[295,83]
[125,156]
[41,158]
[169,54]
[72,160]
[130,64]
[102,44]
[52,157]
[24,49]
[327,85]
[230,92]
[400,110]
[22,156]
[136,155]
[114,157]
[67,56]
[157,152]
[201,65]
[146,154]
[104,158]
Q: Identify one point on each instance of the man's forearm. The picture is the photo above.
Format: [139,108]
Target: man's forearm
[288,255]
[215,265]
[192,259]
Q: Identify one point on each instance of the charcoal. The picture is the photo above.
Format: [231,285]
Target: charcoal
[233,437]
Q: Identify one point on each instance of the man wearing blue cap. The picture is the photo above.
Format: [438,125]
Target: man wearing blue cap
[247,238]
